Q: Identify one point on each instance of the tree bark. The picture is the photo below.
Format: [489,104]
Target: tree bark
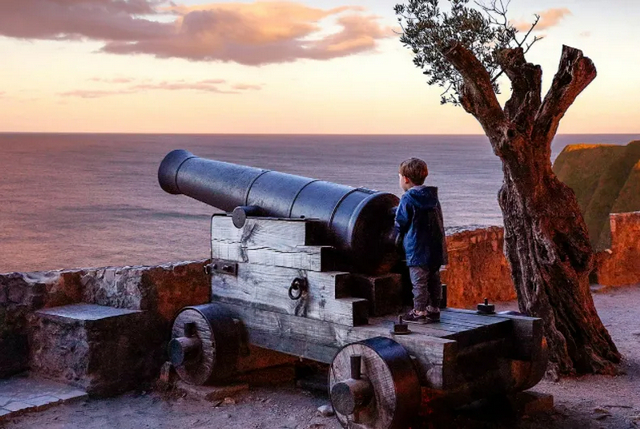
[546,240]
[547,245]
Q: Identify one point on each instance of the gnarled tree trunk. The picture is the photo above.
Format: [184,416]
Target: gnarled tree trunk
[546,239]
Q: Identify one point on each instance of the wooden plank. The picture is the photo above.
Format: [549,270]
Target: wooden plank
[384,293]
[471,337]
[320,340]
[470,316]
[267,288]
[464,312]
[527,334]
[267,231]
[431,329]
[314,258]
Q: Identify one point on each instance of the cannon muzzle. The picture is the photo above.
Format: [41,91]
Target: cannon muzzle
[358,222]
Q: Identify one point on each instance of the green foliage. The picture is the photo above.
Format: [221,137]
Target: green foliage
[429,31]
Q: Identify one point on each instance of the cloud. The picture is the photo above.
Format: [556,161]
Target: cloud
[252,34]
[243,86]
[104,20]
[548,18]
[82,93]
[203,86]
[181,86]
[113,80]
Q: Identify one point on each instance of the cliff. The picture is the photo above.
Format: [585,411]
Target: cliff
[606,179]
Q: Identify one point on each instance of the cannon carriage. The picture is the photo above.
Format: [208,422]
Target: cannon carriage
[303,267]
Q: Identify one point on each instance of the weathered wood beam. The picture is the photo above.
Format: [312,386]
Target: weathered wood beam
[267,288]
[384,293]
[266,232]
[313,258]
[320,340]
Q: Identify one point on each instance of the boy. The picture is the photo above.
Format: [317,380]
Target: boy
[420,226]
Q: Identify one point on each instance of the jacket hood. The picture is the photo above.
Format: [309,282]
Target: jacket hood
[423,196]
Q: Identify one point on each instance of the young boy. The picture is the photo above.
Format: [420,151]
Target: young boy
[420,226]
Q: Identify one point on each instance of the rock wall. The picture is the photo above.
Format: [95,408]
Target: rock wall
[477,268]
[620,265]
[160,290]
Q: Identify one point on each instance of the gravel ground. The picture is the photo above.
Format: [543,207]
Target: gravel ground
[584,402]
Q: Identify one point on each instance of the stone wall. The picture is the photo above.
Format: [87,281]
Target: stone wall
[477,268]
[161,291]
[620,265]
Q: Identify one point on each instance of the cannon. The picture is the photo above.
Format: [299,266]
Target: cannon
[303,267]
[358,222]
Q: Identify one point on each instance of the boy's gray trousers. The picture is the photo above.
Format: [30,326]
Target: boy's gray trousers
[427,288]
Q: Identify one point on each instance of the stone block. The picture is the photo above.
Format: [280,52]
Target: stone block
[22,394]
[620,265]
[477,268]
[102,350]
[211,393]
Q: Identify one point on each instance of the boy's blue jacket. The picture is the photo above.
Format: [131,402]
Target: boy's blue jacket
[419,221]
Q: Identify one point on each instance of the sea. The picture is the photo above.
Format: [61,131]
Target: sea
[93,200]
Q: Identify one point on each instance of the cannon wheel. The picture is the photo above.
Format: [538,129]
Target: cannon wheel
[205,344]
[378,390]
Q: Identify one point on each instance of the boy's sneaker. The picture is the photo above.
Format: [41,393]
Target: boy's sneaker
[415,316]
[432,314]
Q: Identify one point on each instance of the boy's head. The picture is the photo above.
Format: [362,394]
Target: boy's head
[413,171]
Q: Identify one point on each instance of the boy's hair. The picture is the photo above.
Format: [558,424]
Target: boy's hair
[415,170]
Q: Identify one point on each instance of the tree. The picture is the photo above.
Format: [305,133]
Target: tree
[465,50]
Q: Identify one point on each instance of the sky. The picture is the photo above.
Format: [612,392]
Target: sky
[301,67]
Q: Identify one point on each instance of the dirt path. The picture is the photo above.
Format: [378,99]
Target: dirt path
[584,403]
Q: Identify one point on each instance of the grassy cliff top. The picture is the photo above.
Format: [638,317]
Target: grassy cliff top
[606,179]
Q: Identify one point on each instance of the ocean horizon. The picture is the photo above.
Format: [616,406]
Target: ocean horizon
[91,199]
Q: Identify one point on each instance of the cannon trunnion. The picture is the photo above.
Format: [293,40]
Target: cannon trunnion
[281,283]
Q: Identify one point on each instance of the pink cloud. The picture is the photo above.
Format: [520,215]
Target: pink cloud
[94,93]
[247,87]
[548,18]
[181,86]
[207,86]
[214,81]
[113,80]
[105,20]
[246,33]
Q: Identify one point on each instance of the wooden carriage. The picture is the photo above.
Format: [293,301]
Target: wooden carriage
[275,284]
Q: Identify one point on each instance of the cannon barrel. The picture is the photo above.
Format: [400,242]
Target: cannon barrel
[358,222]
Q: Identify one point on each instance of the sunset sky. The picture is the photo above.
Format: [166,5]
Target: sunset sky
[330,66]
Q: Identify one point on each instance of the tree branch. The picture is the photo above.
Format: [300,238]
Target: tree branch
[526,36]
[575,73]
[477,95]
[526,83]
